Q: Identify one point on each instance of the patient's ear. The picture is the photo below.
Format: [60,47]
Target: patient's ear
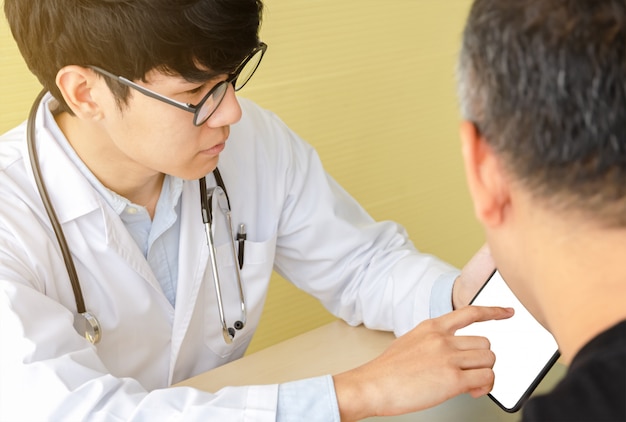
[485,177]
[76,84]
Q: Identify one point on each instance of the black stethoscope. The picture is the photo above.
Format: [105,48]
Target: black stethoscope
[86,322]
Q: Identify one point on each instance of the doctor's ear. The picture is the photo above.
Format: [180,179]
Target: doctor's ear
[486,179]
[76,84]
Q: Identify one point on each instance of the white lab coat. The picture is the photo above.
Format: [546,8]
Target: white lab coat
[299,221]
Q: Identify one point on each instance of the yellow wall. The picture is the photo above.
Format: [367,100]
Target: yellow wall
[371,85]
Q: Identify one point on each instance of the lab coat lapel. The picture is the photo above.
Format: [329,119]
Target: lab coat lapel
[75,202]
[121,242]
[193,258]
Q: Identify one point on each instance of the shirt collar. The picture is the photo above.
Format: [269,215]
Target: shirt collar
[172,186]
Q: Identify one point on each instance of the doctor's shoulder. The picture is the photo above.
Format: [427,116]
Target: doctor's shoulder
[12,146]
[21,203]
[262,128]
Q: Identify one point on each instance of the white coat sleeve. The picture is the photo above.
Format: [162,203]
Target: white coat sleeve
[49,372]
[361,270]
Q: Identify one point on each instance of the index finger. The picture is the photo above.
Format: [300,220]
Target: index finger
[469,314]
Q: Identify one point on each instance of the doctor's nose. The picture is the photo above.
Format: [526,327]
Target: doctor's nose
[228,112]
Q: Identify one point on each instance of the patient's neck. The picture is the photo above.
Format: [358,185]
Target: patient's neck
[580,283]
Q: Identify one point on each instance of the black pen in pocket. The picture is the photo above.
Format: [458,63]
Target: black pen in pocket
[241,239]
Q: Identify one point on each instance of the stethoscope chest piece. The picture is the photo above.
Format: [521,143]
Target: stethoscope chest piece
[87,324]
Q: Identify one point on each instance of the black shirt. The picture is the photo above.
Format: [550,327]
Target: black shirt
[594,388]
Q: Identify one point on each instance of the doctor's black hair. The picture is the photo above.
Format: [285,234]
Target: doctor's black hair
[545,83]
[131,37]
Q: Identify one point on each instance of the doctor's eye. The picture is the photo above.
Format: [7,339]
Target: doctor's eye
[196,90]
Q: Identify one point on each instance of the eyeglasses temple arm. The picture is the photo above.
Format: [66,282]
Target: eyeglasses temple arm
[144,91]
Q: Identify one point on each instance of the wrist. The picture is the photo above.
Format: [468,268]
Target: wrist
[354,396]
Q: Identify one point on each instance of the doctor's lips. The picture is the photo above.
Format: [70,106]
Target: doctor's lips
[216,149]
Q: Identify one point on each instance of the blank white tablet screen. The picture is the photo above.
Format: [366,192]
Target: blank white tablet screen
[524,349]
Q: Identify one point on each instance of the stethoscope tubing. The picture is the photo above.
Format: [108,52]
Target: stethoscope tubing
[206,201]
[56,226]
[87,323]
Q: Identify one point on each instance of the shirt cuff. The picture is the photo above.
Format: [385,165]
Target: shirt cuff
[311,399]
[441,294]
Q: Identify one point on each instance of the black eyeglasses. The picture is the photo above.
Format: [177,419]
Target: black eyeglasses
[212,100]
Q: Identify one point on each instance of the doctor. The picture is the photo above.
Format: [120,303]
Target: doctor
[124,146]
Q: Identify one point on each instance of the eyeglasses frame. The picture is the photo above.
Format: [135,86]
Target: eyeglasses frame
[194,109]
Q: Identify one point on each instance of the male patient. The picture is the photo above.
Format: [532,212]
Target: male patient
[543,91]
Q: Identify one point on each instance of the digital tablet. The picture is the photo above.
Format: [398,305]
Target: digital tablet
[525,351]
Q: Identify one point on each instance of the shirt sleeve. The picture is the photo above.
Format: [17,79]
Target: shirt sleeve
[441,294]
[363,271]
[311,400]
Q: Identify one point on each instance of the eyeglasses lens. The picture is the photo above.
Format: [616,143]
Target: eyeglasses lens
[211,103]
[248,70]
[219,91]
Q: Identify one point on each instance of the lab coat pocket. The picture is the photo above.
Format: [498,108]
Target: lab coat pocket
[255,275]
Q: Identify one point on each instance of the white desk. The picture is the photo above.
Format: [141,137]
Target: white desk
[334,348]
